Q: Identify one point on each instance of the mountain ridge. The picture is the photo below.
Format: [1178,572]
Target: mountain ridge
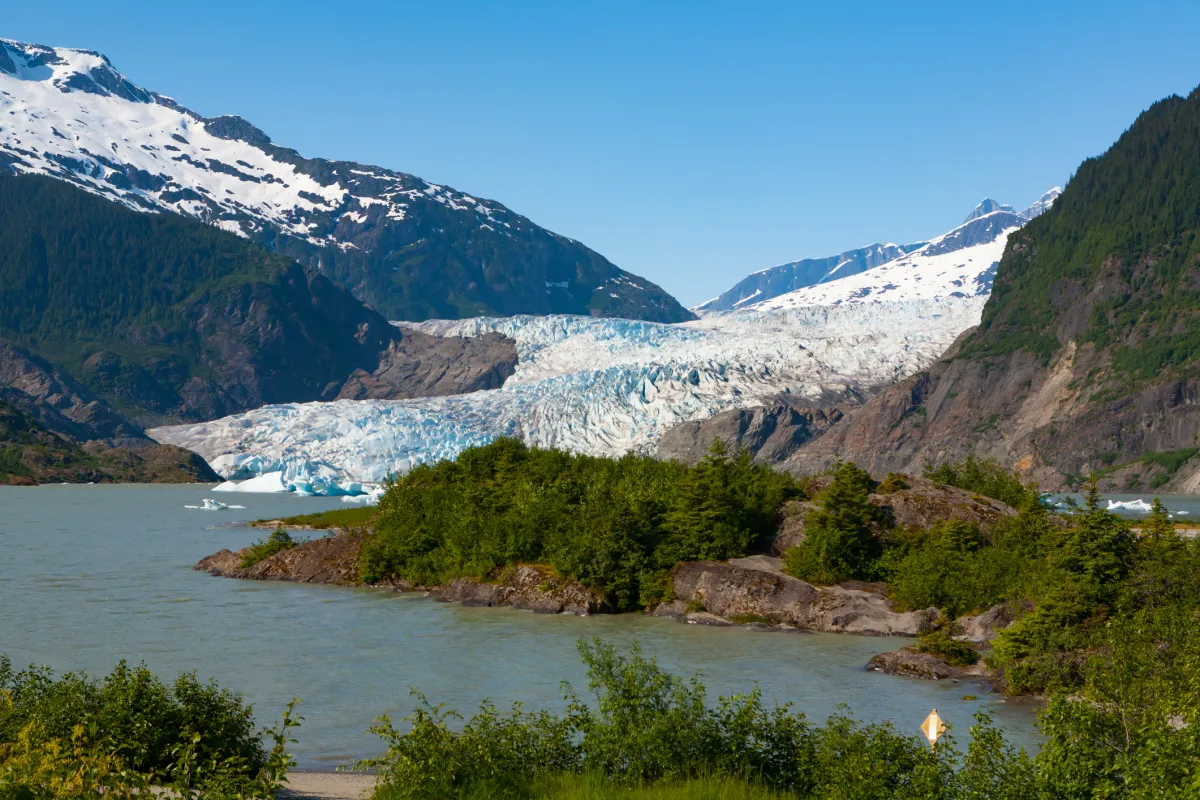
[410,248]
[760,288]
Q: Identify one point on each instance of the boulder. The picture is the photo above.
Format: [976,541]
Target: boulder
[925,502]
[982,628]
[911,664]
[763,593]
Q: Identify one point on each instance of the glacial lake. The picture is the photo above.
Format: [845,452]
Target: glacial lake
[90,575]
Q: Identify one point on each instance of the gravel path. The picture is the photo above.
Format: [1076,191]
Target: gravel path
[327,786]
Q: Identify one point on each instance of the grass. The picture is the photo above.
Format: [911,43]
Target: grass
[347,518]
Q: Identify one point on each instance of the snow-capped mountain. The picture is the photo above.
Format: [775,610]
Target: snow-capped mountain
[410,248]
[601,386]
[960,263]
[795,275]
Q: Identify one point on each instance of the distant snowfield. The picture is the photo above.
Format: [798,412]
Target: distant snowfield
[599,386]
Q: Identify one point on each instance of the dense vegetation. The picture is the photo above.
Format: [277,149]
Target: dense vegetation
[1069,580]
[1124,231]
[1133,731]
[985,477]
[71,736]
[614,525]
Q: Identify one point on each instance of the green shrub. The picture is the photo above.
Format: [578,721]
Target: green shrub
[894,482]
[132,713]
[277,542]
[985,477]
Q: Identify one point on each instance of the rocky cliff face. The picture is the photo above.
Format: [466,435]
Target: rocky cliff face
[420,365]
[770,433]
[756,590]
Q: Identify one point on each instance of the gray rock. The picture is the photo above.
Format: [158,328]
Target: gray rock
[420,365]
[527,588]
[911,664]
[982,629]
[731,591]
[57,401]
[770,433]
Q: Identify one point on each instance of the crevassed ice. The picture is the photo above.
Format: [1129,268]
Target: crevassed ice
[598,386]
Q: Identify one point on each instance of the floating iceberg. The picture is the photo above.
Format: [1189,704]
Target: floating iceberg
[1129,505]
[267,483]
[212,505]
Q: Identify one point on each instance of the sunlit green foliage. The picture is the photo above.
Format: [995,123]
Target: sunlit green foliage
[842,540]
[615,525]
[277,542]
[73,737]
[985,477]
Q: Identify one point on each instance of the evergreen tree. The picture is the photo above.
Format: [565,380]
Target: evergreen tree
[840,542]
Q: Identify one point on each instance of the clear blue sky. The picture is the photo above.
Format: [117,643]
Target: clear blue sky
[688,142]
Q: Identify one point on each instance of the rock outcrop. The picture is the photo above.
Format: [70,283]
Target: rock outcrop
[333,559]
[982,628]
[421,365]
[527,588]
[918,506]
[770,433]
[759,591]
[31,453]
[909,663]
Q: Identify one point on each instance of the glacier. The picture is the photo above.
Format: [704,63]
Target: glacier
[588,385]
[607,386]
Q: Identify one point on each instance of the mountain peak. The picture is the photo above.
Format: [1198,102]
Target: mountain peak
[987,206]
[68,70]
[1043,203]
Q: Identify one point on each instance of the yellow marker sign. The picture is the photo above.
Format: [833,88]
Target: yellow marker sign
[933,728]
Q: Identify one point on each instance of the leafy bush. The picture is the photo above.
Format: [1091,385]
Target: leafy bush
[894,482]
[133,710]
[277,542]
[73,737]
[615,525]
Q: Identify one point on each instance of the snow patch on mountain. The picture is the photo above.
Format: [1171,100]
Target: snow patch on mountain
[940,269]
[599,386]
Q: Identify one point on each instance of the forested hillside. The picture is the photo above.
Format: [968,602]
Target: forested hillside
[1088,355]
[168,319]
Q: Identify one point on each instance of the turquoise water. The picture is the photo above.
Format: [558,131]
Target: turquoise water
[93,574]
